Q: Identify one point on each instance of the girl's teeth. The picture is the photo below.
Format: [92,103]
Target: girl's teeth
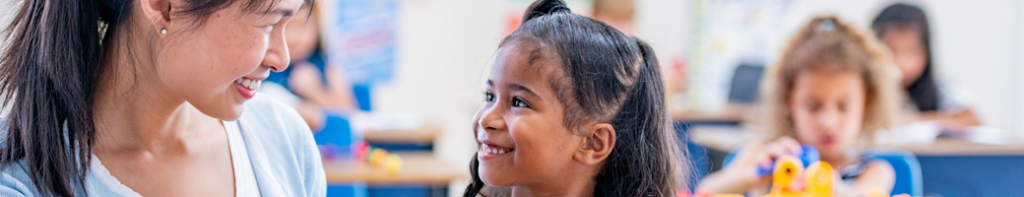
[249,84]
[493,150]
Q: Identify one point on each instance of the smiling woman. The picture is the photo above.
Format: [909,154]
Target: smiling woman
[156,89]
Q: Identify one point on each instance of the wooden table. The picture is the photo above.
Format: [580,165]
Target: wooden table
[422,135]
[417,168]
[727,138]
[948,167]
[732,113]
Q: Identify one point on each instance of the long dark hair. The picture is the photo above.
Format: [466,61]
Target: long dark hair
[923,91]
[50,68]
[608,76]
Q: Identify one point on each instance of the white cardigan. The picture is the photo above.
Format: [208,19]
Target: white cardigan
[284,157]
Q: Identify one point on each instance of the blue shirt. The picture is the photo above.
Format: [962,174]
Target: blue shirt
[284,157]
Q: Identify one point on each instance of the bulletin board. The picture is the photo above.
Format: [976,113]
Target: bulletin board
[726,34]
[360,38]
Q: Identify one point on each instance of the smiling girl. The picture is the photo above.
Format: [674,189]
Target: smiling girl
[573,108]
[155,89]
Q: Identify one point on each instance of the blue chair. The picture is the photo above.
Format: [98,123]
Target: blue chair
[347,190]
[908,169]
[337,134]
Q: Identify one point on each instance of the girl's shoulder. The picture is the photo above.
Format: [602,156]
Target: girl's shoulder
[870,164]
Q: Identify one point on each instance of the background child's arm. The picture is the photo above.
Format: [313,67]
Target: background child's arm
[877,176]
[964,117]
[731,180]
[740,176]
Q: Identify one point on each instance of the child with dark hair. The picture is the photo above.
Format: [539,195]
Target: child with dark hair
[573,107]
[904,29]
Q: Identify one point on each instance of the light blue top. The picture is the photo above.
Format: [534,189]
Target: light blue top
[284,156]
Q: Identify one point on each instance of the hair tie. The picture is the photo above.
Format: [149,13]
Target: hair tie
[557,8]
[828,25]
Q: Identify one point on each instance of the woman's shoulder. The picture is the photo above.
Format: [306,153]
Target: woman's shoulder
[279,129]
[267,108]
[15,180]
[277,126]
[268,117]
[287,143]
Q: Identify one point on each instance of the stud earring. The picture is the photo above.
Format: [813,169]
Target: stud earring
[163,31]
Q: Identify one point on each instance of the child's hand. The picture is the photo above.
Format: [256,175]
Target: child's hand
[305,81]
[742,175]
[764,156]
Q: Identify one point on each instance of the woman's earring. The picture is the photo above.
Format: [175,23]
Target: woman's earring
[163,31]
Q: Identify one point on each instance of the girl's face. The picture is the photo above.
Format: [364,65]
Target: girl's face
[908,53]
[827,109]
[520,131]
[303,34]
[209,65]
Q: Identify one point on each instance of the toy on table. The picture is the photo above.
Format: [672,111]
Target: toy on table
[790,180]
[377,157]
[802,175]
[808,155]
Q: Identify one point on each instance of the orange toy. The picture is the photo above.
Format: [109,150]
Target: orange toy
[787,178]
[379,158]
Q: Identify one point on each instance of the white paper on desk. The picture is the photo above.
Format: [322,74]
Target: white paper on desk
[989,135]
[915,133]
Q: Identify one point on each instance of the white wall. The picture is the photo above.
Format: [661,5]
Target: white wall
[6,15]
[444,50]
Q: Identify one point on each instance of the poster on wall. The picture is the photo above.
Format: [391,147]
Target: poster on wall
[513,12]
[360,38]
[727,34]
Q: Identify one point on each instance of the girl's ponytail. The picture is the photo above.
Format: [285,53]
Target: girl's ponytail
[474,187]
[642,127]
[48,75]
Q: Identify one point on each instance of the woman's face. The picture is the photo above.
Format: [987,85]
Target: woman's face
[520,132]
[827,109]
[217,65]
[908,53]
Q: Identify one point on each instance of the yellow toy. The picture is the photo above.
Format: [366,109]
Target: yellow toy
[789,179]
[380,158]
[393,163]
[819,180]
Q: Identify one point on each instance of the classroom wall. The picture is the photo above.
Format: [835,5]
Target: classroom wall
[444,50]
[6,15]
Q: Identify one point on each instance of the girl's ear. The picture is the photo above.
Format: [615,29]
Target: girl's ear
[597,144]
[157,12]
